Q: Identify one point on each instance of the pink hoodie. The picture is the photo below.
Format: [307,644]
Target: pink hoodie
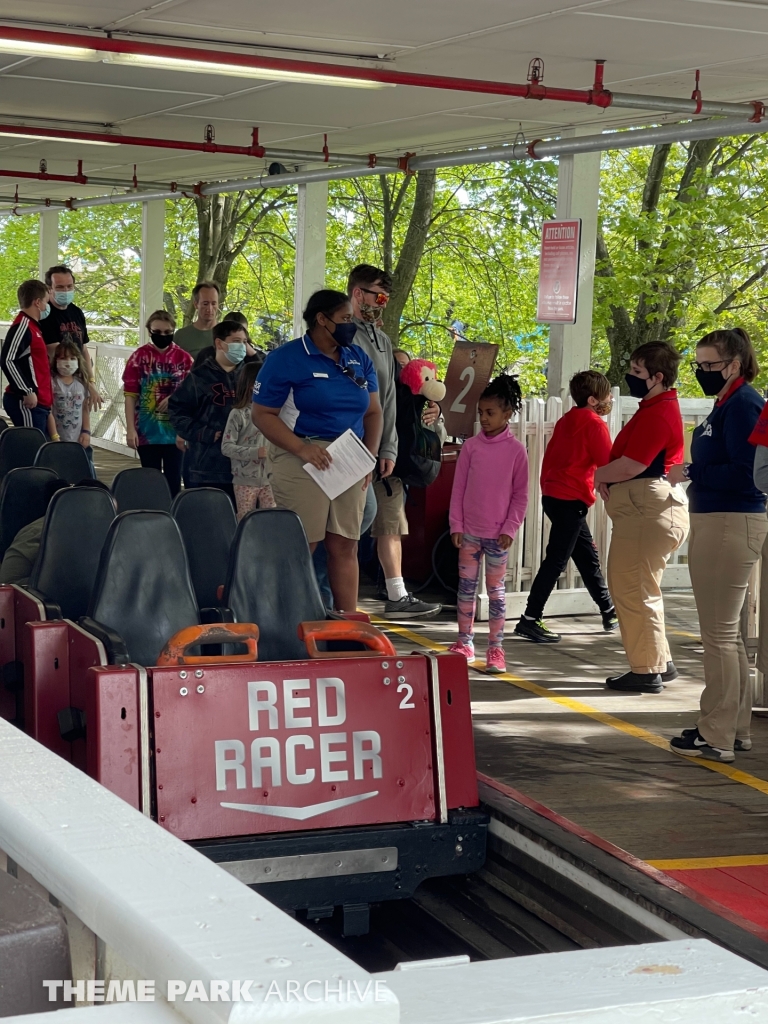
[490,490]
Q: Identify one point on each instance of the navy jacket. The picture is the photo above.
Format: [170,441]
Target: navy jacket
[723,458]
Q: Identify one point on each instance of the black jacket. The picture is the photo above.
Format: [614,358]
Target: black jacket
[199,410]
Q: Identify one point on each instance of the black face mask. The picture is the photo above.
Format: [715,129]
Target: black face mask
[161,340]
[711,382]
[638,386]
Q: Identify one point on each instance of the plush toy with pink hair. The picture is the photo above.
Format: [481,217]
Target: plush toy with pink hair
[420,376]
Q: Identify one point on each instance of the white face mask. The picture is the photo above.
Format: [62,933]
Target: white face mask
[66,367]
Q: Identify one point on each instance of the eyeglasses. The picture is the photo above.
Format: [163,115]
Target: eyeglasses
[381,297]
[349,372]
[706,367]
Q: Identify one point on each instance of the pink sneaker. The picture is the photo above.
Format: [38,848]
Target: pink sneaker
[495,663]
[467,650]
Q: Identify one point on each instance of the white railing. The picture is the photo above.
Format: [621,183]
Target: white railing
[108,423]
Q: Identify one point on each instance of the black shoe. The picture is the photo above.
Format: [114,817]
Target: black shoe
[738,745]
[382,595]
[693,744]
[670,674]
[534,629]
[636,682]
[610,621]
[409,607]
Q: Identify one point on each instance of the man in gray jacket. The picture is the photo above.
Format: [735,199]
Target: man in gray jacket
[369,290]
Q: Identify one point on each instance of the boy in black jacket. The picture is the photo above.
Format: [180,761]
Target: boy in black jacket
[199,409]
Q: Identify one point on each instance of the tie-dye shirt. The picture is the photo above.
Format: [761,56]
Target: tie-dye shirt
[151,375]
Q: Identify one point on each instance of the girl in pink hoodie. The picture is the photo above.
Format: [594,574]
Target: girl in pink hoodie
[488,503]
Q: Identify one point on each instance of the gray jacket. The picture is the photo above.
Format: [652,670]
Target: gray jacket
[240,443]
[378,346]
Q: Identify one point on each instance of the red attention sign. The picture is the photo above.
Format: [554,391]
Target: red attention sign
[268,747]
[559,271]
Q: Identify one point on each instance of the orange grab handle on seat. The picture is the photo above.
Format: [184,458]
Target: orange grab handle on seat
[377,643]
[175,651]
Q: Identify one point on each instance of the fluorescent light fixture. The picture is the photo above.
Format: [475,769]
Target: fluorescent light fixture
[56,138]
[25,49]
[211,68]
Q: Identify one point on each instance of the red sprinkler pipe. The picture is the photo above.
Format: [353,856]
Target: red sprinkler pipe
[599,97]
[131,140]
[78,179]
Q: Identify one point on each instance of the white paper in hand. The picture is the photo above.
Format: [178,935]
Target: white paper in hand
[351,462]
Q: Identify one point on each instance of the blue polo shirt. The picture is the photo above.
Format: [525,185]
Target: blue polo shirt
[316,397]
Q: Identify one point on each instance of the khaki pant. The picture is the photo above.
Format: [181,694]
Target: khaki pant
[762,627]
[722,550]
[650,521]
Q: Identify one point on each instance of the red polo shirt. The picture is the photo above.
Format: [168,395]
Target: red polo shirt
[655,430]
[580,443]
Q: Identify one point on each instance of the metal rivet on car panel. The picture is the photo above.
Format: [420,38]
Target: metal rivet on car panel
[401,679]
[183,691]
[386,680]
[199,674]
[385,664]
[399,664]
[182,674]
[201,688]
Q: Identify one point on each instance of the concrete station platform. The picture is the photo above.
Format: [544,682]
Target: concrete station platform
[551,731]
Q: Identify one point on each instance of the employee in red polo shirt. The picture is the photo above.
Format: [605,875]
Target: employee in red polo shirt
[728,528]
[649,515]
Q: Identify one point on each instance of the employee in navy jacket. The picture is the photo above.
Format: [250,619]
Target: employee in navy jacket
[308,393]
[728,528]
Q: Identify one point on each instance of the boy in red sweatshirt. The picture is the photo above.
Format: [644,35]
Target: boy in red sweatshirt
[580,443]
[24,360]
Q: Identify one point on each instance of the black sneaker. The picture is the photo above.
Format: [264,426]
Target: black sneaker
[610,621]
[536,630]
[693,744]
[382,595]
[738,745]
[636,682]
[670,673]
[409,607]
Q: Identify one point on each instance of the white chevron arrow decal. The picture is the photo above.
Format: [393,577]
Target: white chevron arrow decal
[302,813]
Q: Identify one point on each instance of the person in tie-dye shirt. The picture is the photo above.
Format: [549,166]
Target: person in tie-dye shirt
[152,374]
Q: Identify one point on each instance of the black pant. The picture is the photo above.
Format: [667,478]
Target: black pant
[165,457]
[568,538]
[21,416]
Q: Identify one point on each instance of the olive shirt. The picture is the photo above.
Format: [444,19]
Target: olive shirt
[193,340]
[20,557]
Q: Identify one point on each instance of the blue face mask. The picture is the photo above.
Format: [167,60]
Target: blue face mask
[344,334]
[44,312]
[64,298]
[236,352]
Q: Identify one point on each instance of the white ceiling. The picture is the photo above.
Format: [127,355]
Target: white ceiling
[651,46]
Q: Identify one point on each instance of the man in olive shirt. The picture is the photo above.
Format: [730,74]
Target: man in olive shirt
[197,335]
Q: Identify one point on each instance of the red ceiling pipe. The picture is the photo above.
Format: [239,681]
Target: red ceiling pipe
[78,179]
[131,140]
[599,96]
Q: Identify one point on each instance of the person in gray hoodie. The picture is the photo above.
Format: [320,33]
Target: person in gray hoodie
[369,289]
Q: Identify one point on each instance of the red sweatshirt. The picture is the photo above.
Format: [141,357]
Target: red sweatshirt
[580,443]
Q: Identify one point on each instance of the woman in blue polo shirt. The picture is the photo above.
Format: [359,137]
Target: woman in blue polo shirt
[307,394]
[728,529]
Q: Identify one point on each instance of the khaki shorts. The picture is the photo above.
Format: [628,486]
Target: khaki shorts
[294,488]
[390,518]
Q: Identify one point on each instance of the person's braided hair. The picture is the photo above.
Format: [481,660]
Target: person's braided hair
[506,390]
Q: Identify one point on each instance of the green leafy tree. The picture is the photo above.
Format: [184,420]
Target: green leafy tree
[681,246]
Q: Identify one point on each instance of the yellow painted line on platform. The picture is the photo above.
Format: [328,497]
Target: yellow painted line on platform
[580,708]
[697,863]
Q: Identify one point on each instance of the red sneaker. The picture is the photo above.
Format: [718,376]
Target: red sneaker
[467,650]
[495,662]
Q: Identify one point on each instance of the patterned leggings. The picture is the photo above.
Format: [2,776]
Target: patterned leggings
[471,551]
[249,498]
